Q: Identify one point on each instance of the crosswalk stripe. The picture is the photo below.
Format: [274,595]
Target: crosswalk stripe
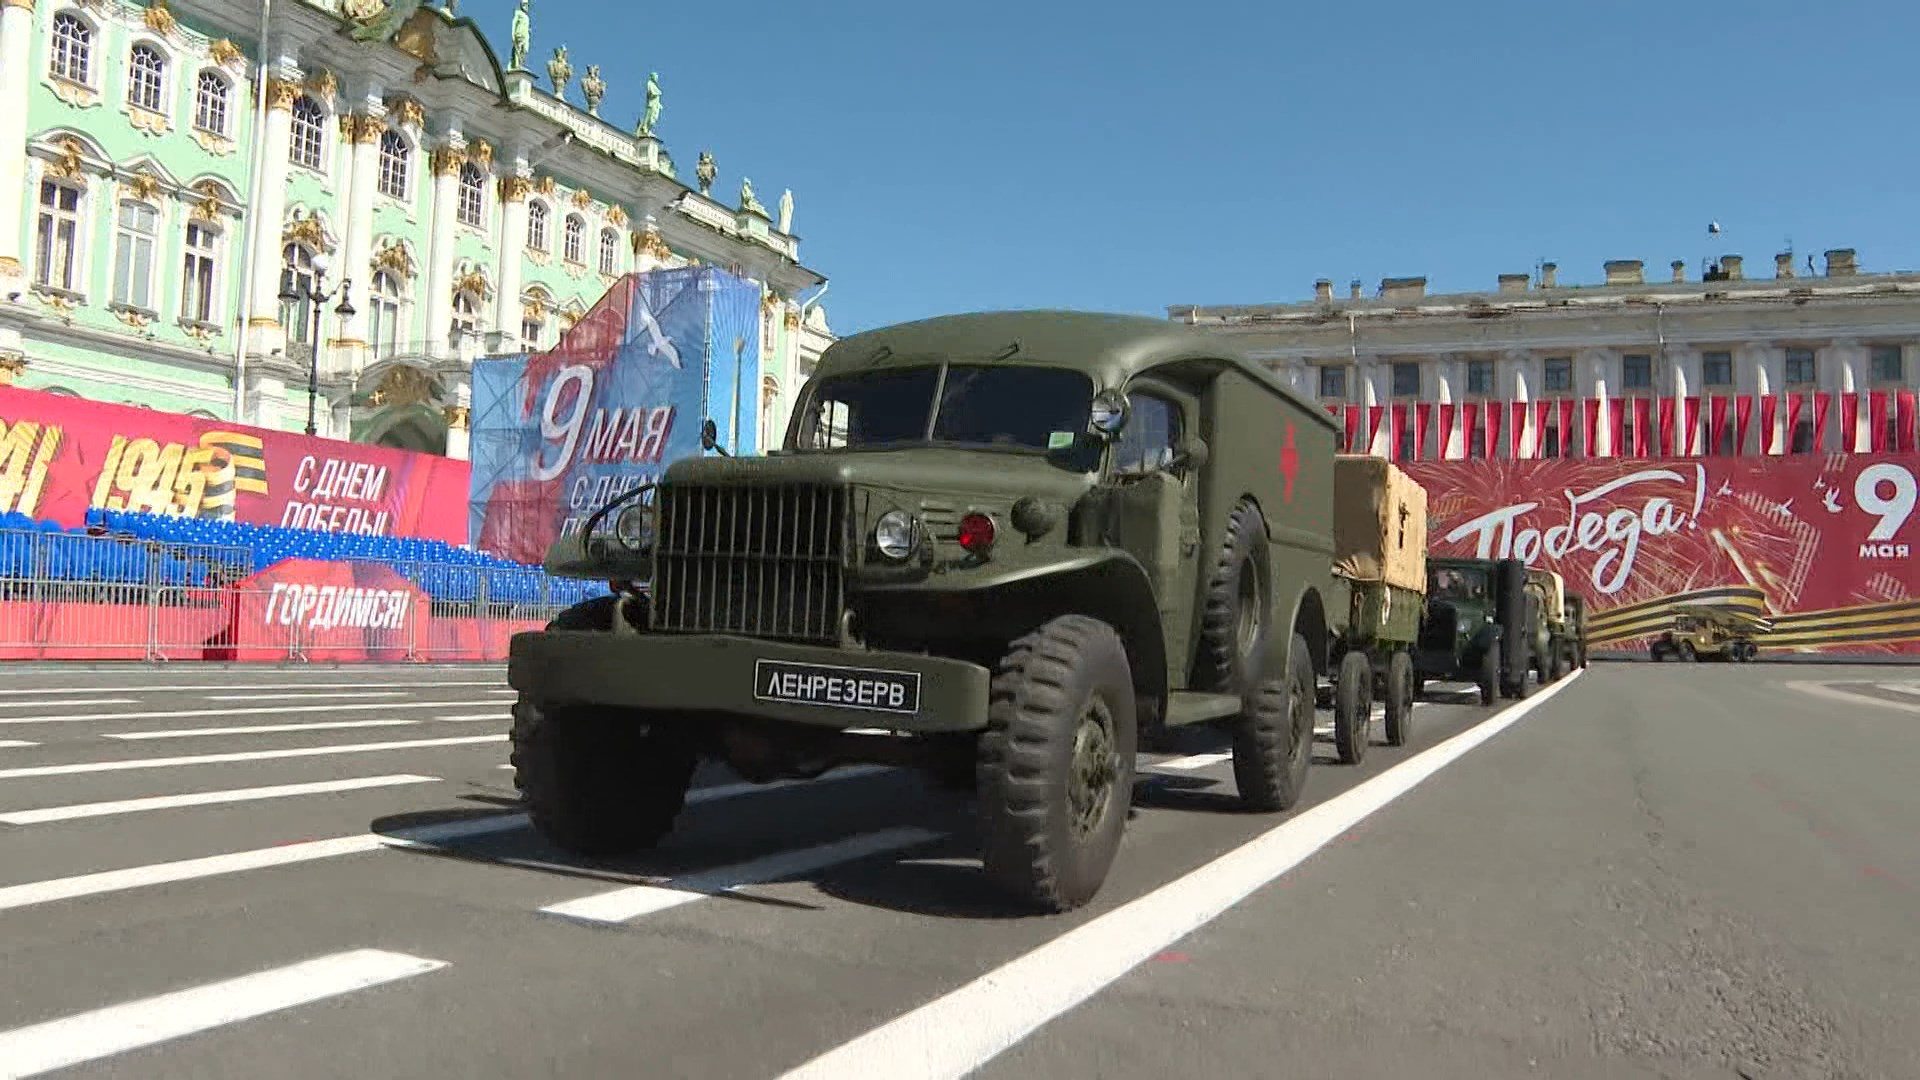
[265,710]
[625,905]
[258,729]
[242,755]
[75,811]
[195,688]
[101,1033]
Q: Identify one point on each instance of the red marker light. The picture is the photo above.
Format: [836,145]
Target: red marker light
[976,533]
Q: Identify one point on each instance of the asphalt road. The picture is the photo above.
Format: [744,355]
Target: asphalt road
[1648,871]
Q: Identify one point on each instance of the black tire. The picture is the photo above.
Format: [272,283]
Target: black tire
[594,614]
[1556,662]
[1398,724]
[1273,738]
[1489,674]
[1687,655]
[1062,699]
[1233,624]
[1353,708]
[595,782]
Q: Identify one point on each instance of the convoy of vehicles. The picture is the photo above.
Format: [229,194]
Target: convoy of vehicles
[1477,627]
[1379,589]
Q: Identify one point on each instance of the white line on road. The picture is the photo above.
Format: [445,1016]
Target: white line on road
[258,729]
[267,710]
[76,811]
[90,1036]
[467,718]
[8,744]
[243,755]
[73,702]
[1834,693]
[182,688]
[953,1035]
[1196,761]
[309,696]
[625,905]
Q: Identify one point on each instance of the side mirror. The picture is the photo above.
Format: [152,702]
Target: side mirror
[1109,413]
[1194,454]
[709,434]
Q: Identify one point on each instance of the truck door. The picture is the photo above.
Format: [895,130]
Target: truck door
[1157,517]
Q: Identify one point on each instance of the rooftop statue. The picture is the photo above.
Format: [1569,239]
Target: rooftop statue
[651,115]
[747,202]
[786,210]
[705,171]
[559,72]
[522,38]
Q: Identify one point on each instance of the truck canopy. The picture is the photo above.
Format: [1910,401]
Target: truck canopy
[1379,523]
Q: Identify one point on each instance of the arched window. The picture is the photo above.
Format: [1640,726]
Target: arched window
[136,230]
[383,315]
[308,134]
[572,241]
[72,49]
[297,315]
[609,252]
[56,252]
[537,227]
[395,156]
[533,319]
[146,78]
[466,317]
[210,94]
[473,187]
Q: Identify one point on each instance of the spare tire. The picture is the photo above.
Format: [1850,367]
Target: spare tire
[1233,620]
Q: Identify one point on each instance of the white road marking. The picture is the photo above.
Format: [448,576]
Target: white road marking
[136,877]
[468,718]
[625,905]
[955,1034]
[194,688]
[75,702]
[265,710]
[75,811]
[8,744]
[1196,761]
[258,729]
[244,755]
[102,1033]
[1905,689]
[309,696]
[1834,693]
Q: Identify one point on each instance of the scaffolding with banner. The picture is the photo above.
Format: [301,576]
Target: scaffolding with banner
[555,434]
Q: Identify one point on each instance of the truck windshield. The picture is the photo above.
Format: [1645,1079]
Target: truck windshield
[1458,583]
[1040,409]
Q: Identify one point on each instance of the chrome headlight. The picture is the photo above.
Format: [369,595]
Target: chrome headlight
[634,527]
[895,534]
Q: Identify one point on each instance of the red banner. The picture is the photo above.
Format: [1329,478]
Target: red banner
[1820,545]
[60,456]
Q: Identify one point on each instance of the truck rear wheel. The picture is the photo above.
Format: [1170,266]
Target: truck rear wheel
[1057,762]
[1400,693]
[1233,627]
[1273,738]
[1489,673]
[595,781]
[1353,708]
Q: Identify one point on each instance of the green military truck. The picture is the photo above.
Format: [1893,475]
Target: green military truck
[1480,626]
[1011,542]
[1556,648]
[1379,589]
[1577,627]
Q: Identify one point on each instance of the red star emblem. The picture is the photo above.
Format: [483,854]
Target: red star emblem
[1289,463]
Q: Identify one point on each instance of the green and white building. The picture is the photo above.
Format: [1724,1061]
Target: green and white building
[165,168]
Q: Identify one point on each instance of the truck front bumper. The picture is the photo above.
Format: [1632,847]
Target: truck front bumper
[738,676]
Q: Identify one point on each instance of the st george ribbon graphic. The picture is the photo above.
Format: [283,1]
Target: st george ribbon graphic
[1822,546]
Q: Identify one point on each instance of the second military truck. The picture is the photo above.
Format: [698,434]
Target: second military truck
[1011,542]
[1378,594]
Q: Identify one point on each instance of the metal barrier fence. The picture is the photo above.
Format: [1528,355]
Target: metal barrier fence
[67,596]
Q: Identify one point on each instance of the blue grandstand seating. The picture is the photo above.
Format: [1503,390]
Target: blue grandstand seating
[195,551]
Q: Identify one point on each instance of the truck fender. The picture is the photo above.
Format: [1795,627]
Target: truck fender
[1115,589]
[1306,614]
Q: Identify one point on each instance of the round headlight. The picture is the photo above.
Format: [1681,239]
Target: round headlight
[634,527]
[894,534]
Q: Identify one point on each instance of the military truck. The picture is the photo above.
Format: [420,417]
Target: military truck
[1008,543]
[1553,637]
[1480,624]
[1711,634]
[1577,627]
[1379,589]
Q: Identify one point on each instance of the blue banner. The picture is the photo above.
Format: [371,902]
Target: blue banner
[556,434]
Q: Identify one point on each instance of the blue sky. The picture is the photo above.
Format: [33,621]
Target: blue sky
[1126,156]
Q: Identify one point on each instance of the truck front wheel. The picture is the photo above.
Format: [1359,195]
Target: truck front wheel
[597,782]
[1056,762]
[1489,672]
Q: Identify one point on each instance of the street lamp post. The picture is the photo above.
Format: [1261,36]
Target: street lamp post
[296,290]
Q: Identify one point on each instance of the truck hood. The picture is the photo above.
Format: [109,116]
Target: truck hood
[984,474]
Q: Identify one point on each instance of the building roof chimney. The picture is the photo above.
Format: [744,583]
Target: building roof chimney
[1840,263]
[1514,282]
[1730,268]
[1624,272]
[1323,290]
[1783,264]
[1403,288]
[1547,272]
[1353,289]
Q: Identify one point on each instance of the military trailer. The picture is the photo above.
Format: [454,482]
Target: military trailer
[1711,634]
[1003,543]
[1379,588]
[1479,626]
[1554,650]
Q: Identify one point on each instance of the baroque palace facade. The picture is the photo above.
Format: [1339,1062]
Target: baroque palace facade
[176,164]
[1809,359]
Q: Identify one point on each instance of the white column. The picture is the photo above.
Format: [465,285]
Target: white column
[514,187]
[1599,363]
[264,332]
[1376,387]
[447,159]
[1681,364]
[364,127]
[1518,381]
[459,421]
[1445,444]
[16,52]
[1845,358]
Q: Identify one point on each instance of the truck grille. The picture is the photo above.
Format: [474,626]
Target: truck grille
[764,561]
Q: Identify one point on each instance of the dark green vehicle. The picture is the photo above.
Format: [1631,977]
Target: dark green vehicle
[1481,626]
[1002,548]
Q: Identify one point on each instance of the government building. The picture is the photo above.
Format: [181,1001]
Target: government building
[1805,359]
[343,205]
